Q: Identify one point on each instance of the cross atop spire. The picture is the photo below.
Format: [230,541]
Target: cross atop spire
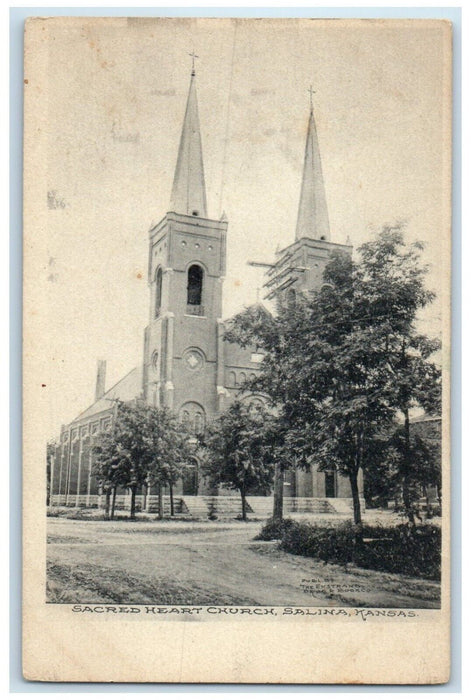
[193,56]
[311,93]
[313,218]
[189,191]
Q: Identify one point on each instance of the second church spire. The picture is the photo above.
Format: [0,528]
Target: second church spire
[313,219]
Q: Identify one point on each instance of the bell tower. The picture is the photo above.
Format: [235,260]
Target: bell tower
[299,267]
[183,361]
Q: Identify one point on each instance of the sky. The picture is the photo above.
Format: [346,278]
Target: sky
[112,95]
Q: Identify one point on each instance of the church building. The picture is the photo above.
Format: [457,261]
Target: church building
[187,364]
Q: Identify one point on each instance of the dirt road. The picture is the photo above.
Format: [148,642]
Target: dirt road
[185,563]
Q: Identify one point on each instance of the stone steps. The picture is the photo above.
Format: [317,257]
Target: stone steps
[263,505]
[153,504]
[307,505]
[220,506]
[195,506]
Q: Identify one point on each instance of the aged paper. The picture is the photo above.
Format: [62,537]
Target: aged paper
[161,156]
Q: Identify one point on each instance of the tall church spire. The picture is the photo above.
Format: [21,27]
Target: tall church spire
[313,218]
[188,191]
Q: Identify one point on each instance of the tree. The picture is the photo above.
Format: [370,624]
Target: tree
[322,371]
[238,450]
[145,446]
[392,289]
[290,450]
[424,469]
[257,326]
[170,450]
[341,361]
[380,478]
[109,467]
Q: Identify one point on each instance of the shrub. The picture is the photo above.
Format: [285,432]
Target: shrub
[71,513]
[55,512]
[402,550]
[82,514]
[392,549]
[274,529]
[327,543]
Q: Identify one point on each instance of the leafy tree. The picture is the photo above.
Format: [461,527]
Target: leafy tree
[380,476]
[424,469]
[170,450]
[107,469]
[385,483]
[340,362]
[238,449]
[392,289]
[322,371]
[145,446]
[290,449]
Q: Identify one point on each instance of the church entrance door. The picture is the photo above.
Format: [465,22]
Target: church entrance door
[330,484]
[190,479]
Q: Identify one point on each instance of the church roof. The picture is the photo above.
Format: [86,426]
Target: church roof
[313,218]
[188,191]
[126,389]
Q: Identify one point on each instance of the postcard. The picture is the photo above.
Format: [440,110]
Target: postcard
[237,263]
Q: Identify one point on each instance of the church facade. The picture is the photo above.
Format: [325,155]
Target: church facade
[187,364]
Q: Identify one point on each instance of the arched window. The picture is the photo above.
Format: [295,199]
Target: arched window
[242,378]
[192,416]
[195,290]
[254,402]
[158,291]
[232,379]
